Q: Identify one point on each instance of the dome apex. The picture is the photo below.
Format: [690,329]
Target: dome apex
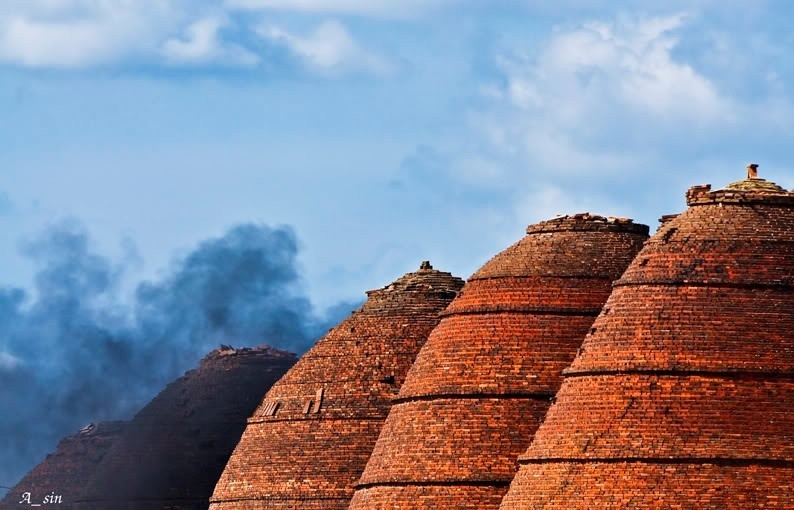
[755,184]
[747,191]
[423,279]
[585,221]
[753,189]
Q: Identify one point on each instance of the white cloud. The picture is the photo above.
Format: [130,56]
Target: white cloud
[384,8]
[624,63]
[588,112]
[74,34]
[562,107]
[202,44]
[80,33]
[8,361]
[85,33]
[329,49]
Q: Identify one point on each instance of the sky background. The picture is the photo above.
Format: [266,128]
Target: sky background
[353,139]
[384,132]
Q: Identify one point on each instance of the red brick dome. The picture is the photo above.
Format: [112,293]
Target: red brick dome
[682,395]
[63,473]
[482,383]
[310,438]
[172,452]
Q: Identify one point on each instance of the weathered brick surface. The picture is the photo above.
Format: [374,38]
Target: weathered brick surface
[462,439]
[173,451]
[664,327]
[426,497]
[483,381]
[64,471]
[671,416]
[498,353]
[594,484]
[332,404]
[682,393]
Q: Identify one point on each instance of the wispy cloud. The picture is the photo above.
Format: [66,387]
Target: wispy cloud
[562,107]
[8,362]
[380,8]
[202,44]
[6,205]
[81,33]
[329,49]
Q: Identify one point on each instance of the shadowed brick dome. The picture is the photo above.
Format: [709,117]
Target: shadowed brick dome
[64,472]
[682,396]
[173,451]
[482,383]
[310,438]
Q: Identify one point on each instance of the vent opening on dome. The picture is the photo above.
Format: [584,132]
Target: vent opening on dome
[667,235]
[318,401]
[271,409]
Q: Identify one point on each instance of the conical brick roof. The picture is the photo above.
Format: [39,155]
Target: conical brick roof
[173,451]
[683,396]
[62,474]
[482,383]
[310,438]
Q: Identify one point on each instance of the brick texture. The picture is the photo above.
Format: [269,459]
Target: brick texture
[682,392]
[64,471]
[310,438]
[483,382]
[173,451]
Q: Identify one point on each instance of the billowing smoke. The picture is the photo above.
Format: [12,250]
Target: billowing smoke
[75,352]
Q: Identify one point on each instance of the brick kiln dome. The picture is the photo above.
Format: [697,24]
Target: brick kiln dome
[482,383]
[310,438]
[682,395]
[173,451]
[63,473]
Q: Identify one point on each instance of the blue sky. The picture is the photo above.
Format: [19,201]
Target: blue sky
[384,132]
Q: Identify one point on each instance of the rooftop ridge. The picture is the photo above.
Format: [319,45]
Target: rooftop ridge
[423,278]
[748,191]
[263,351]
[752,190]
[585,222]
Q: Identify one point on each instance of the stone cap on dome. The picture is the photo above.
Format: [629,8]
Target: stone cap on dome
[261,351]
[425,278]
[666,218]
[751,190]
[587,222]
[99,428]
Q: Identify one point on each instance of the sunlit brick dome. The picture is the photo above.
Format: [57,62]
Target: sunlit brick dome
[310,438]
[62,474]
[482,383]
[683,394]
[173,451]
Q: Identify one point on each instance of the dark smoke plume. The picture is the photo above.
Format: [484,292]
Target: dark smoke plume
[74,352]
